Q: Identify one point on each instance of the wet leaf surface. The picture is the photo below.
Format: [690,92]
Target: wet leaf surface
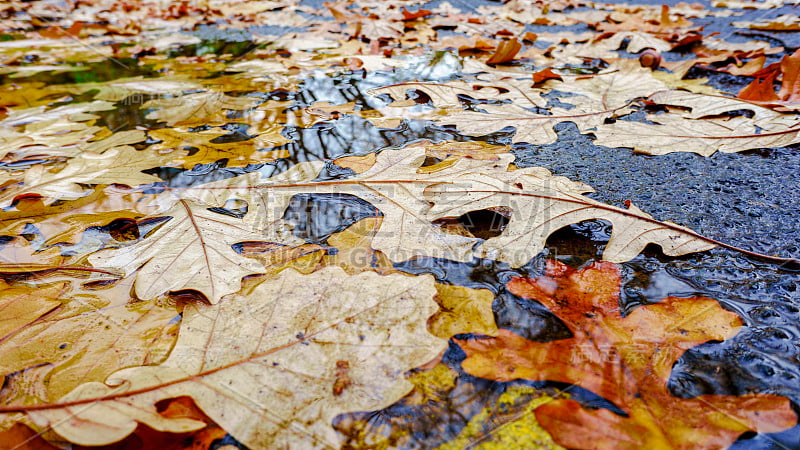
[155,158]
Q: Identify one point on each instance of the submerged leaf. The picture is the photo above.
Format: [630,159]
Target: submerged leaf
[87,334]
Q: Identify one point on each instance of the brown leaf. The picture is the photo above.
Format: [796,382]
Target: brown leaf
[626,360]
[505,52]
[544,75]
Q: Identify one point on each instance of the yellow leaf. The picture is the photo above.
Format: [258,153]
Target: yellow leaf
[463,310]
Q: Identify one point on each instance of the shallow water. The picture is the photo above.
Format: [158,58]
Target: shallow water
[748,200]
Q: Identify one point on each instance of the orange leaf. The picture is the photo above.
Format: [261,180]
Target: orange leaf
[182,407]
[544,75]
[505,52]
[413,15]
[760,90]
[626,360]
[21,437]
[790,87]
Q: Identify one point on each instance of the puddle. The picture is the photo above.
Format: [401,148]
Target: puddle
[748,200]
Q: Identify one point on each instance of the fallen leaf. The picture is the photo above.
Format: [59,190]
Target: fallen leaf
[63,222]
[702,131]
[191,251]
[302,349]
[505,52]
[20,306]
[204,150]
[593,98]
[87,334]
[354,252]
[463,310]
[201,108]
[22,437]
[358,164]
[510,423]
[627,360]
[543,204]
[784,22]
[76,112]
[470,149]
[412,197]
[544,75]
[176,408]
[120,165]
[762,92]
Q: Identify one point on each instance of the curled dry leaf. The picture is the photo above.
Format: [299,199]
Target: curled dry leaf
[505,52]
[273,368]
[627,360]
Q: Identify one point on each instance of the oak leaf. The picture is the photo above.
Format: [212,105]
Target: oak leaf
[594,99]
[412,197]
[87,334]
[204,150]
[273,368]
[119,165]
[702,130]
[627,360]
[76,112]
[784,22]
[201,108]
[191,251]
[544,203]
[63,222]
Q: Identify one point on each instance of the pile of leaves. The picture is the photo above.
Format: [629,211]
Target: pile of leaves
[160,286]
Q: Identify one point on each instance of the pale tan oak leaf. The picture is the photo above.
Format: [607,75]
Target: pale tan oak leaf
[190,251]
[273,368]
[593,98]
[87,333]
[703,129]
[119,165]
[190,108]
[542,204]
